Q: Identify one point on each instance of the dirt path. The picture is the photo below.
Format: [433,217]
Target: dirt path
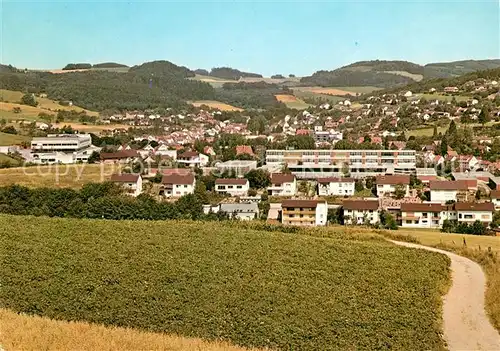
[466,325]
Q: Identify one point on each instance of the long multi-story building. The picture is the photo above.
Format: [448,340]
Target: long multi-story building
[62,148]
[304,212]
[313,164]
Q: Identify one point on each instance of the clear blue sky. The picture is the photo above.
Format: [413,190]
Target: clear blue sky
[267,37]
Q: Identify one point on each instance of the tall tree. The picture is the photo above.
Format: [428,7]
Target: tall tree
[484,116]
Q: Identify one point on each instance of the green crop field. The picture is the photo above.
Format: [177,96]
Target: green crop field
[225,281]
[441,97]
[425,131]
[11,139]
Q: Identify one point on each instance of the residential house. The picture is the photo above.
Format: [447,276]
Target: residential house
[193,159]
[232,186]
[361,211]
[124,156]
[239,167]
[445,190]
[421,215]
[495,198]
[282,184]
[164,150]
[242,211]
[334,186]
[131,183]
[177,185]
[469,212]
[304,212]
[387,184]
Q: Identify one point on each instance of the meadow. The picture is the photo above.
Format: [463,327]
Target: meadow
[71,176]
[292,101]
[216,105]
[223,281]
[12,139]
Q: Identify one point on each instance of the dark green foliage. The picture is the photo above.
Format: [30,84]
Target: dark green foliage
[458,68]
[221,281]
[109,65]
[94,157]
[29,99]
[258,178]
[251,95]
[231,73]
[388,221]
[278,76]
[162,69]
[9,130]
[71,66]
[476,228]
[202,72]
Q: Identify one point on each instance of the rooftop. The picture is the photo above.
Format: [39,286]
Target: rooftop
[361,205]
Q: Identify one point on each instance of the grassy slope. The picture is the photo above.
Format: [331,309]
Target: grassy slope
[73,176]
[214,281]
[11,139]
[23,332]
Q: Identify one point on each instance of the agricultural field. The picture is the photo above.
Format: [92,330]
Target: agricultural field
[425,131]
[12,139]
[415,77]
[213,81]
[216,105]
[7,160]
[442,97]
[11,98]
[337,91]
[202,279]
[302,94]
[292,101]
[58,176]
[33,333]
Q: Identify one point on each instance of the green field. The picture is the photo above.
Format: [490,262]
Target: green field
[425,131]
[361,90]
[225,281]
[441,97]
[327,98]
[12,139]
[7,160]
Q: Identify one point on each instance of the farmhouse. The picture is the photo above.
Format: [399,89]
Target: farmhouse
[132,183]
[232,186]
[282,185]
[336,186]
[387,184]
[361,211]
[177,185]
[304,212]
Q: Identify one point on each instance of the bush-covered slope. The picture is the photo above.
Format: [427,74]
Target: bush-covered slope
[458,68]
[222,281]
[231,73]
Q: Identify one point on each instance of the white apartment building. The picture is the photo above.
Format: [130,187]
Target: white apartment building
[177,185]
[62,148]
[132,183]
[313,164]
[232,186]
[193,159]
[304,212]
[386,184]
[336,186]
[469,212]
[423,215]
[282,184]
[361,211]
[444,191]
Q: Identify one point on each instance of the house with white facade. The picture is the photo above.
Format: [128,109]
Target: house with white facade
[387,184]
[131,183]
[241,211]
[495,198]
[177,185]
[193,159]
[336,186]
[361,211]
[469,212]
[282,184]
[62,148]
[232,186]
[446,190]
[422,215]
[304,212]
[163,150]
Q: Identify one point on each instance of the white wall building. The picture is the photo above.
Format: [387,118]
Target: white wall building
[177,185]
[361,211]
[386,184]
[469,212]
[333,186]
[62,148]
[193,159]
[232,186]
[444,191]
[304,212]
[422,215]
[282,184]
[495,198]
[132,183]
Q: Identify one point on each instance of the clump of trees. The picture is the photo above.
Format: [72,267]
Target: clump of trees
[29,99]
[476,228]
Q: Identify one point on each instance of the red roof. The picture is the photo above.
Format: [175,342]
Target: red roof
[474,206]
[188,154]
[420,207]
[187,179]
[360,205]
[302,132]
[125,178]
[495,194]
[448,185]
[335,180]
[300,203]
[244,149]
[393,179]
[280,178]
[231,181]
[119,155]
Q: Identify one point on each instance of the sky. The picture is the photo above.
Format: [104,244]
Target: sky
[267,37]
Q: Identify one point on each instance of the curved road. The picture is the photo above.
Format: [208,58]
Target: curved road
[465,323]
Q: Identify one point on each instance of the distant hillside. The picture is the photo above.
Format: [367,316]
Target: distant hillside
[231,73]
[457,68]
[161,69]
[388,74]
[7,69]
[109,65]
[382,74]
[73,66]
